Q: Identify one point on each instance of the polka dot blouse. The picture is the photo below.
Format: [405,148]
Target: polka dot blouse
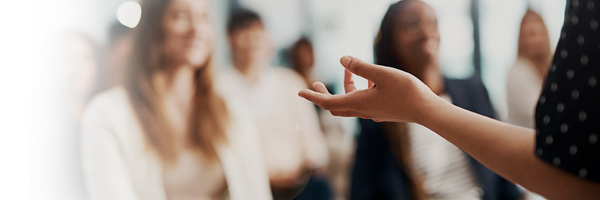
[568,111]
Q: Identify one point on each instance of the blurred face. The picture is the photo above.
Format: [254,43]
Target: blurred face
[533,36]
[250,46]
[188,33]
[304,58]
[416,35]
[81,66]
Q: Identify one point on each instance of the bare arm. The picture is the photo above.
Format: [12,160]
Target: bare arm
[508,150]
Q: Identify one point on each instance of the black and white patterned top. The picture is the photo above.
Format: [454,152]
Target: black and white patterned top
[568,111]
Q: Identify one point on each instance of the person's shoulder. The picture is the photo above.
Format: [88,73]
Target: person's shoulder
[110,102]
[223,75]
[112,96]
[241,123]
[522,68]
[289,76]
[285,70]
[287,73]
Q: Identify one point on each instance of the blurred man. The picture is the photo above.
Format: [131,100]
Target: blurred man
[292,142]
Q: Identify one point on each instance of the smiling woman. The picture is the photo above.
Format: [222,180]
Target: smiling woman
[166,133]
[558,160]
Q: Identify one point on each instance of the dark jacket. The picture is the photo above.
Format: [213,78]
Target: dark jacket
[378,175]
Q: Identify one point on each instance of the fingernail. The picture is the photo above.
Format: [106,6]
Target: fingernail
[345,60]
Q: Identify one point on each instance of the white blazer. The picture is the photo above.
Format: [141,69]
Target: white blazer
[118,164]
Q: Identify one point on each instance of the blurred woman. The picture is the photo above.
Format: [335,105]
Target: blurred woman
[526,77]
[81,71]
[82,67]
[340,143]
[559,159]
[407,160]
[303,59]
[166,133]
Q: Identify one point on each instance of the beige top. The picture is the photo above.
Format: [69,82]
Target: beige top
[288,125]
[523,90]
[208,180]
[118,165]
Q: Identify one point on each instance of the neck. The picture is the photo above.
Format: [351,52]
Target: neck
[176,89]
[249,70]
[431,75]
[177,84]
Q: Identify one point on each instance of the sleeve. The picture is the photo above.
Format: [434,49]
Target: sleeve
[315,147]
[242,160]
[314,140]
[376,173]
[105,169]
[521,95]
[568,111]
[364,172]
[483,103]
[509,191]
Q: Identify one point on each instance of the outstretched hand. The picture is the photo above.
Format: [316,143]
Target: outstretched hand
[392,95]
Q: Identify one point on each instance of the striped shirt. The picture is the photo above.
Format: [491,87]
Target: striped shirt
[445,168]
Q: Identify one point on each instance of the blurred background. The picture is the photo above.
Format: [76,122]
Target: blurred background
[479,38]
[475,34]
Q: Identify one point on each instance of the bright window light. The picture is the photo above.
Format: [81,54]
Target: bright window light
[129,14]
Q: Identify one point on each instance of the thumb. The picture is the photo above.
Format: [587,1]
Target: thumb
[364,69]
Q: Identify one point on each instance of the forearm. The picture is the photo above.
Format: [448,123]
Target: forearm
[506,149]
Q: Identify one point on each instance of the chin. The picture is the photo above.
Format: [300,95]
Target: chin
[197,65]
[427,56]
[197,61]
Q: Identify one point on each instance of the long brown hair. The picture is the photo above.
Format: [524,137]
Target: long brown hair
[397,133]
[208,119]
[399,140]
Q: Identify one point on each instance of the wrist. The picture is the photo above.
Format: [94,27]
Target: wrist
[429,109]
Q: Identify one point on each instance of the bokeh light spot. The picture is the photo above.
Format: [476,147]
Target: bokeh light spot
[129,14]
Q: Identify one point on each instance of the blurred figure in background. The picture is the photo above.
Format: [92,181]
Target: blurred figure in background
[527,76]
[407,160]
[81,70]
[292,143]
[82,66]
[118,53]
[340,145]
[165,133]
[303,60]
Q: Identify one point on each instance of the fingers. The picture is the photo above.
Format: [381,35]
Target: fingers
[331,102]
[366,70]
[349,82]
[345,113]
[320,88]
[316,97]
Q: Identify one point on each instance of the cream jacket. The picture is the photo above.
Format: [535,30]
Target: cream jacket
[118,165]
